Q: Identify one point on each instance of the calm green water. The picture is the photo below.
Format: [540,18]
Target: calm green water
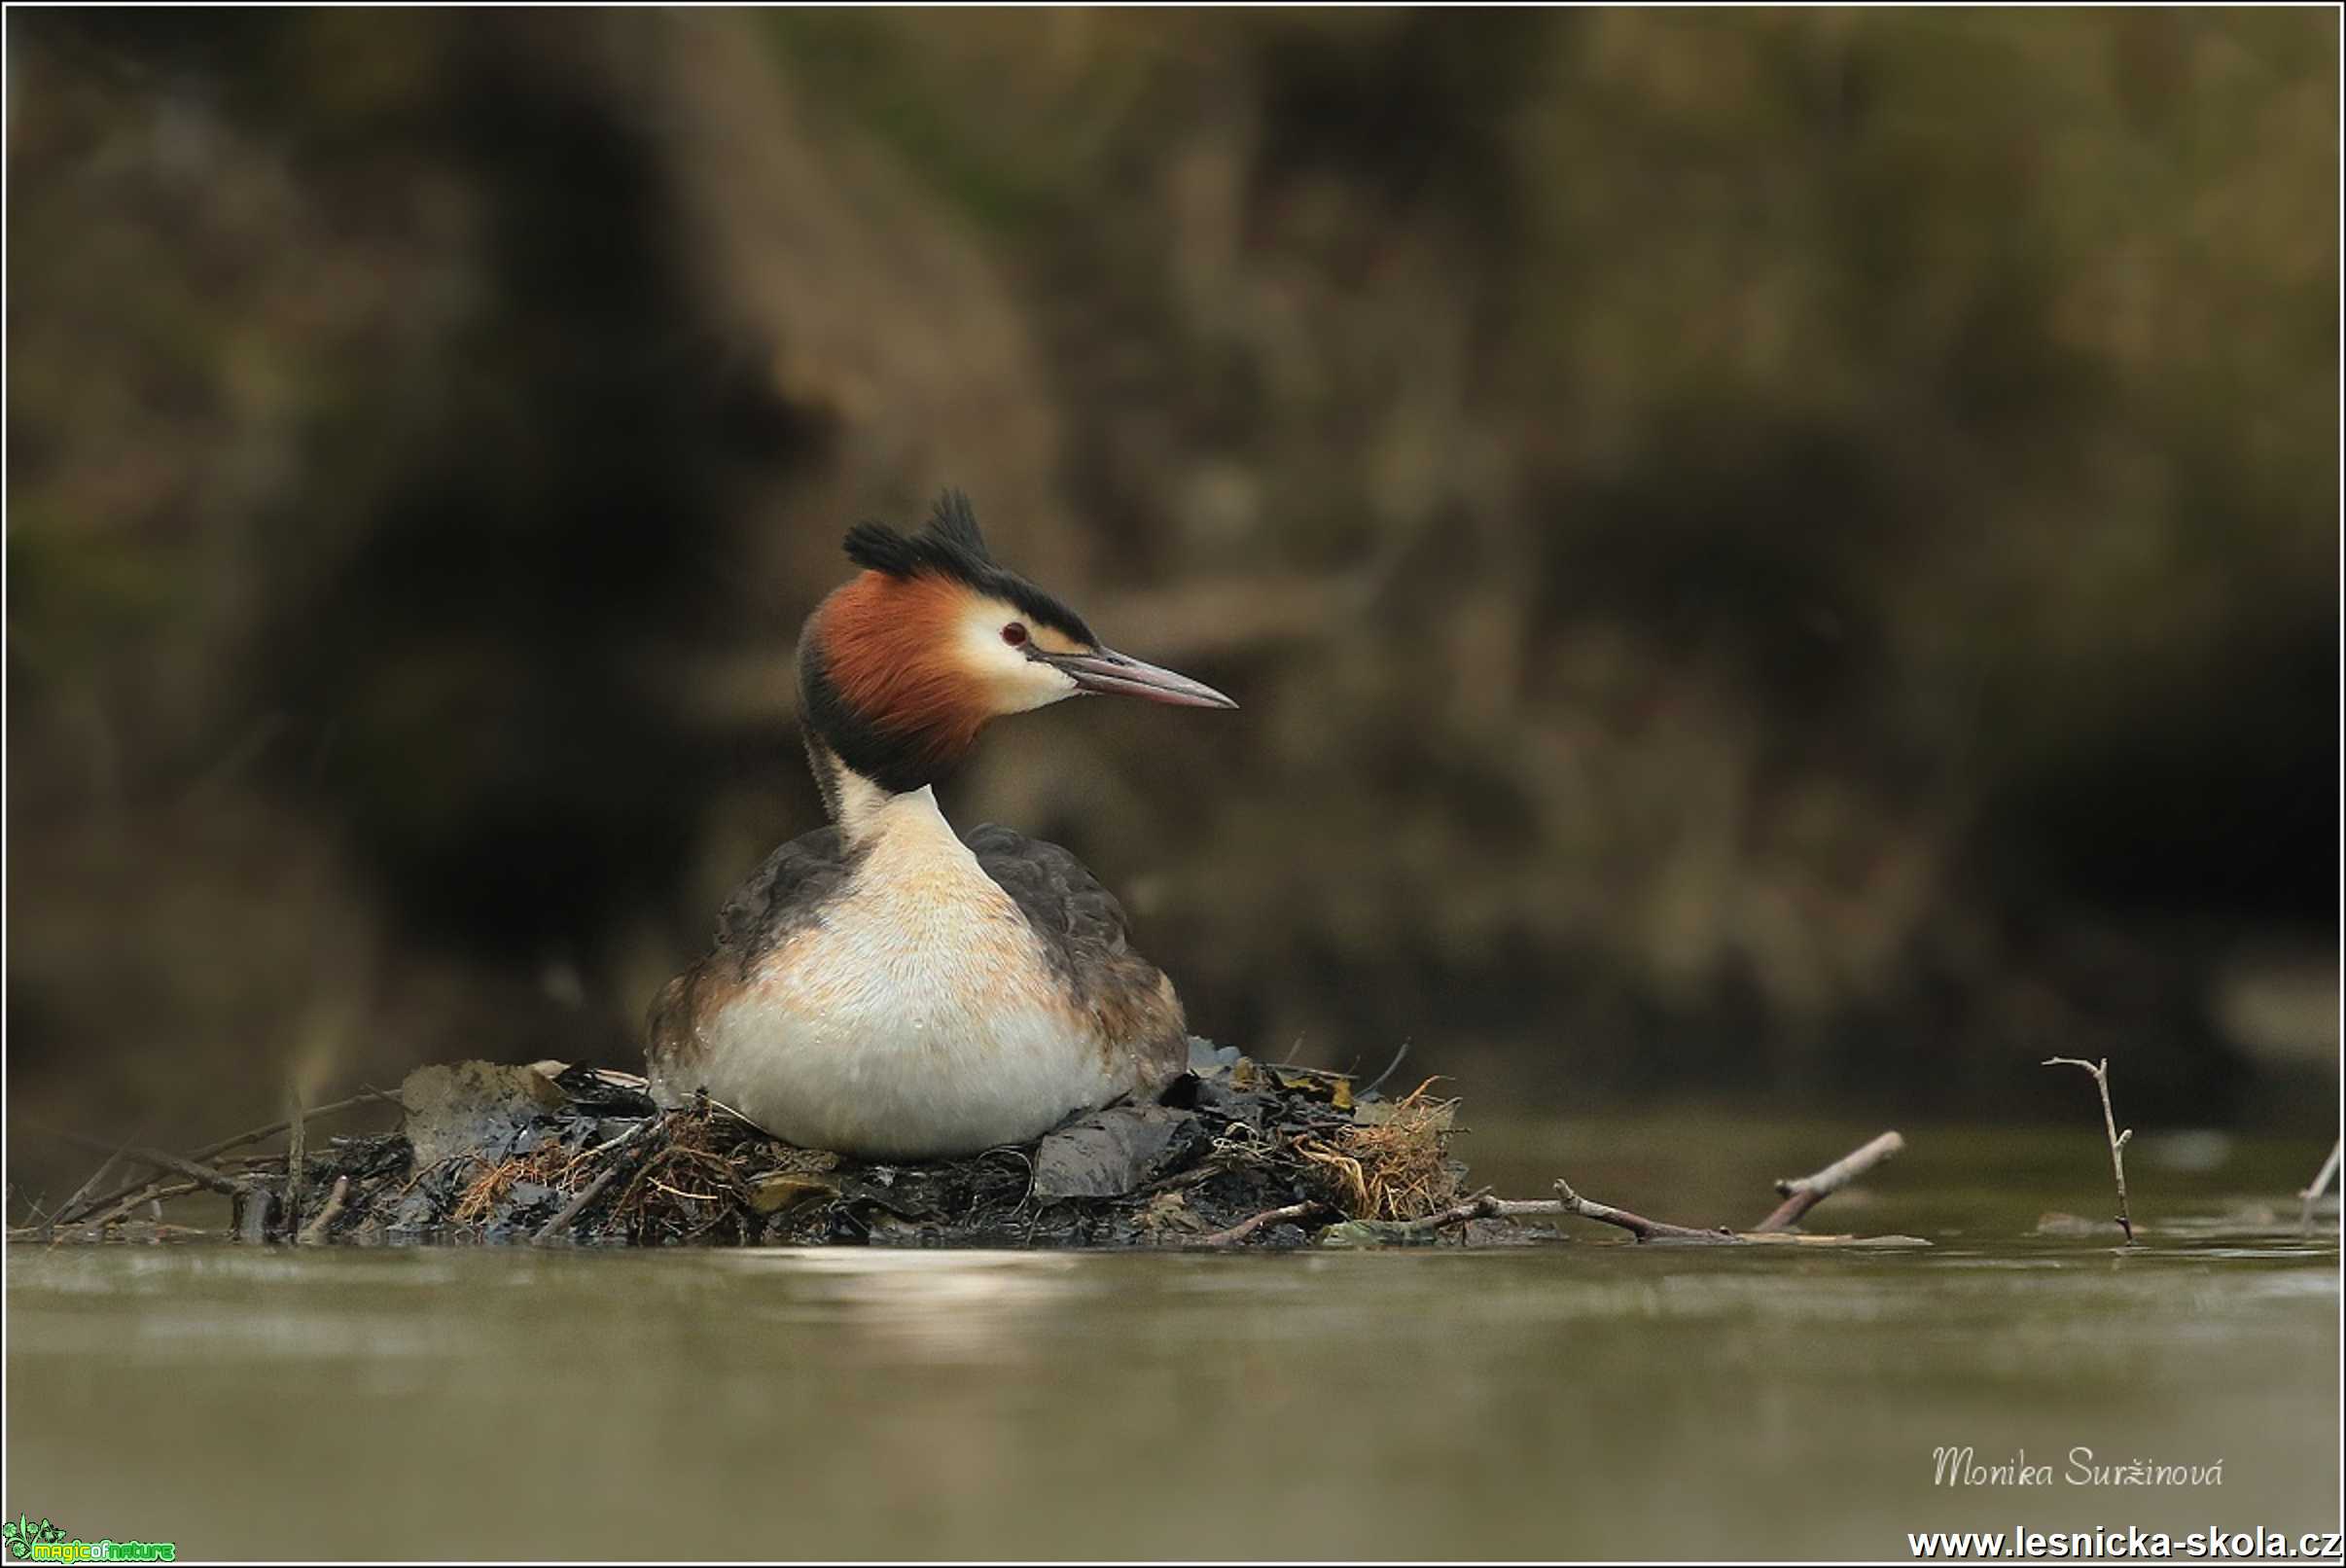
[1586,1399]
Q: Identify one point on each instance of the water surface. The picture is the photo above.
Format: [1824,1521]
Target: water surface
[1586,1398]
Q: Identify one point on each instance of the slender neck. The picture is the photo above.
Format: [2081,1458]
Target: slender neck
[853,801]
[861,766]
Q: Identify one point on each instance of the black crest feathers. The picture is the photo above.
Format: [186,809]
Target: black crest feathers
[949,545]
[955,520]
[948,542]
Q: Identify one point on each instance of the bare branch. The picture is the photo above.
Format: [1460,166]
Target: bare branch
[161,1159]
[1246,1227]
[1806,1193]
[1379,1082]
[297,1158]
[313,1233]
[2118,1140]
[69,1214]
[157,1191]
[365,1097]
[2317,1186]
[1637,1224]
[1483,1205]
[83,1190]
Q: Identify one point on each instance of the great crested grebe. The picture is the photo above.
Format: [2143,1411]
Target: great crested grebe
[886,986]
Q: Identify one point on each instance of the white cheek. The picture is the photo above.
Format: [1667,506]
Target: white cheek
[1015,683]
[1032,685]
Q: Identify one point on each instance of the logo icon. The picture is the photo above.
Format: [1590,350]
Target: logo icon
[21,1535]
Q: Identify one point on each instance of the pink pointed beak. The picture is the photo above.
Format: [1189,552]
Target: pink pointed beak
[1105,670]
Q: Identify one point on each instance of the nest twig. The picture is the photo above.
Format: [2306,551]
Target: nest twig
[1395,1168]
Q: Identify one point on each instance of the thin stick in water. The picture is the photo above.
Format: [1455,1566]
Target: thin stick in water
[296,1160]
[152,1192]
[86,1188]
[1637,1224]
[2118,1140]
[1488,1206]
[2317,1186]
[313,1233]
[1483,1205]
[1248,1226]
[1807,1192]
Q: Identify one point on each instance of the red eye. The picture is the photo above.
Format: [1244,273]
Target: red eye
[1013,635]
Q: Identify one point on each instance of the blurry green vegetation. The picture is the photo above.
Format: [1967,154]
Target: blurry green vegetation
[1762,552]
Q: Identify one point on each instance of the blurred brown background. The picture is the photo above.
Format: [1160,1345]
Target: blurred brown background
[1769,558]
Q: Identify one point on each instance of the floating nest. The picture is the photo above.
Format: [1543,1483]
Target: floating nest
[1236,1153]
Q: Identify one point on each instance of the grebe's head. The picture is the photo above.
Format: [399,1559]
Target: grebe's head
[901,667]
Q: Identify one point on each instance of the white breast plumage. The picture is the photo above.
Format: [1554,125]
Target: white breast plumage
[914,1013]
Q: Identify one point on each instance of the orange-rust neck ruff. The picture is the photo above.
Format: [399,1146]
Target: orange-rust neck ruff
[883,642]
